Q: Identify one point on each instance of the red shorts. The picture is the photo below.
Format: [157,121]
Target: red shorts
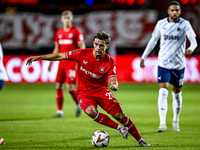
[66,75]
[104,98]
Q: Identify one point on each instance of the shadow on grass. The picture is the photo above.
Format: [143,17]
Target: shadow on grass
[69,147]
[21,119]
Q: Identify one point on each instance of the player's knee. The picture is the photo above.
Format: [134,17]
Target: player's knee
[91,111]
[59,86]
[70,87]
[176,90]
[120,117]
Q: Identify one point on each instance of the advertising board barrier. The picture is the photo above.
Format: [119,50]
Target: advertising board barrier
[128,69]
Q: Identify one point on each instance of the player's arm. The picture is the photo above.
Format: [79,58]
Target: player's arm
[114,84]
[192,38]
[151,44]
[55,50]
[81,45]
[193,45]
[51,57]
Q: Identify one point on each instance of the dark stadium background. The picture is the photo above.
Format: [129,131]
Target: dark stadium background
[53,7]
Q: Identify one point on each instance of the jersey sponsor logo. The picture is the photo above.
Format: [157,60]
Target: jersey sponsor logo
[90,73]
[65,42]
[171,37]
[101,70]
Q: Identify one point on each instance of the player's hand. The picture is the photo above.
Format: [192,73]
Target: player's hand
[142,63]
[188,53]
[114,87]
[49,68]
[31,59]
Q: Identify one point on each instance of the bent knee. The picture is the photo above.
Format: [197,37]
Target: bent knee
[120,117]
[91,111]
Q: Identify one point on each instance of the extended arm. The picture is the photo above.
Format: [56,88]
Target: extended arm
[150,46]
[193,45]
[81,45]
[192,38]
[52,57]
[55,50]
[114,84]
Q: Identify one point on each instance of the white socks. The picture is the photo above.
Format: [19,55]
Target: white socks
[162,105]
[60,112]
[177,105]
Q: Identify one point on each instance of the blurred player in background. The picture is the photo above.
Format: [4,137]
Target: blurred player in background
[1,141]
[66,39]
[3,78]
[95,68]
[3,75]
[172,32]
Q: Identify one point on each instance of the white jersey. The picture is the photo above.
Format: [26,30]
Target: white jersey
[3,75]
[172,42]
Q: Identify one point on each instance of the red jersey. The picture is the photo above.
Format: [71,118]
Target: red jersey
[92,74]
[67,41]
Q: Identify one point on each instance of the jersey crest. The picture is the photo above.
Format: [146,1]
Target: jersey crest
[101,70]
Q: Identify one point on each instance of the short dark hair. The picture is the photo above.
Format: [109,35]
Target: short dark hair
[174,3]
[103,36]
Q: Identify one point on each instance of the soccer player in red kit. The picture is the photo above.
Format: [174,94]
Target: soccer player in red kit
[95,67]
[66,39]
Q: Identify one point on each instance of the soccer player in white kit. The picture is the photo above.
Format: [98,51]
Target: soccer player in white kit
[3,75]
[172,32]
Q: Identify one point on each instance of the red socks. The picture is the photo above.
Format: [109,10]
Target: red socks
[59,98]
[132,129]
[74,96]
[105,120]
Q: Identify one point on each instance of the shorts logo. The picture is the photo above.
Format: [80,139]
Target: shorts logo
[101,70]
[159,78]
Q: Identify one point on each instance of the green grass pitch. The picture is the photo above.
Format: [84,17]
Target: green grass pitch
[26,121]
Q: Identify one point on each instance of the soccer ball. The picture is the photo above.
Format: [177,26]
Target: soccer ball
[100,138]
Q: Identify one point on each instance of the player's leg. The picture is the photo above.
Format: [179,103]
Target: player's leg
[128,123]
[59,100]
[89,106]
[177,81]
[71,90]
[60,79]
[1,84]
[100,117]
[70,85]
[108,102]
[163,80]
[162,106]
[176,105]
